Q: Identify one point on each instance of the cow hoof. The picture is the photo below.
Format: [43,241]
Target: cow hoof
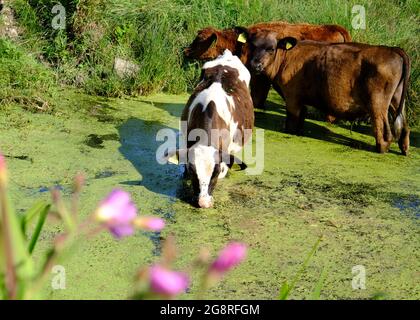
[205,202]
[382,148]
[404,149]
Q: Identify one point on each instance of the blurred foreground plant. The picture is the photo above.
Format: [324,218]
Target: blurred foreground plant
[287,288]
[20,279]
[16,265]
[160,281]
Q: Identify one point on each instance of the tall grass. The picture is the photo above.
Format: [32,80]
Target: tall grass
[153,33]
[23,79]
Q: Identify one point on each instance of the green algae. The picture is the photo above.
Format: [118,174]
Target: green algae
[328,182]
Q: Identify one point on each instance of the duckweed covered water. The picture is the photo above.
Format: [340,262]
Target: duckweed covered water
[328,182]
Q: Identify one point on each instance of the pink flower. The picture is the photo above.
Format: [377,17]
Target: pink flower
[3,170]
[229,257]
[2,163]
[167,282]
[150,223]
[117,212]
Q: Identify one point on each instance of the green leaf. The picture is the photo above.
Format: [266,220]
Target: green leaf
[284,291]
[32,213]
[42,215]
[21,259]
[319,285]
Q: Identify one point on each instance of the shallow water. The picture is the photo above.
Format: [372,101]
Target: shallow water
[328,182]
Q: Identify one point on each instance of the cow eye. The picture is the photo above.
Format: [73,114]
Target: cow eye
[271,50]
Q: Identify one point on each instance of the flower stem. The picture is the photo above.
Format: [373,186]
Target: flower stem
[11,277]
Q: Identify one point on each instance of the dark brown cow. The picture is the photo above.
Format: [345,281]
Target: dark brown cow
[347,80]
[210,43]
[216,122]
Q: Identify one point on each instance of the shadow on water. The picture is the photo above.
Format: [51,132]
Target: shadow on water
[139,146]
[275,120]
[174,109]
[367,130]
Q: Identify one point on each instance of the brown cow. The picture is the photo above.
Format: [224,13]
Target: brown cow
[216,122]
[210,43]
[347,80]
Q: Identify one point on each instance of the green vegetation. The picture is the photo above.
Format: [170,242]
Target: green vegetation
[328,182]
[153,33]
[23,80]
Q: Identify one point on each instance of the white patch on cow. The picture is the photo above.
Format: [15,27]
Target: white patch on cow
[216,94]
[204,158]
[224,106]
[233,146]
[228,59]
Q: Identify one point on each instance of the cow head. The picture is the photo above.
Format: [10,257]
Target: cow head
[265,48]
[205,164]
[204,46]
[210,43]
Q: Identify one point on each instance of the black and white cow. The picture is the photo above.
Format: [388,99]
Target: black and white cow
[216,122]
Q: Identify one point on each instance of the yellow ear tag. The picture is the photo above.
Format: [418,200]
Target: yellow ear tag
[242,38]
[288,45]
[213,44]
[173,159]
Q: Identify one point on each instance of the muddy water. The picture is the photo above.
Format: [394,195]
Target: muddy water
[328,182]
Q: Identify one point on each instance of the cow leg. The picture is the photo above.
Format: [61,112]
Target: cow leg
[260,86]
[296,114]
[387,131]
[278,90]
[382,130]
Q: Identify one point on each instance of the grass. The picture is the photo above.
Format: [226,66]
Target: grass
[23,79]
[153,34]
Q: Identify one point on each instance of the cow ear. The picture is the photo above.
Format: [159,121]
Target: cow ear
[231,159]
[172,156]
[286,43]
[213,39]
[174,159]
[207,36]
[242,33]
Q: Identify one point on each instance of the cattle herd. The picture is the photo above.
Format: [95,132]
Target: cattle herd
[308,65]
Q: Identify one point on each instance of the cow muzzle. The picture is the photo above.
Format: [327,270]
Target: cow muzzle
[257,66]
[205,202]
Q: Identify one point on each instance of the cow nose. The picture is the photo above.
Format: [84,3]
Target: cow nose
[205,202]
[257,66]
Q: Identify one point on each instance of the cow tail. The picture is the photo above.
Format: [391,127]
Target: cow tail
[400,122]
